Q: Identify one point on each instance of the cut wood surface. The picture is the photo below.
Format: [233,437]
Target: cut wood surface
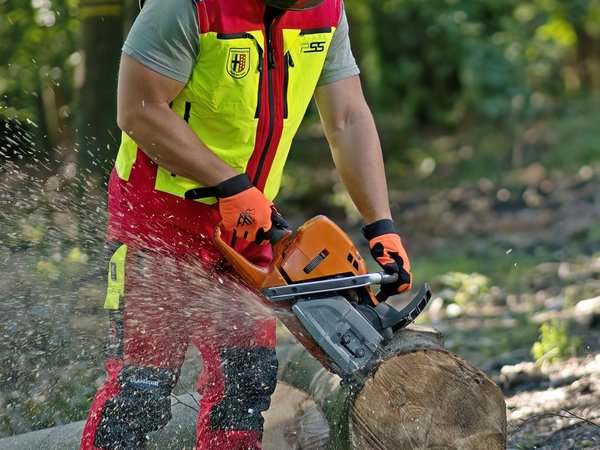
[419,397]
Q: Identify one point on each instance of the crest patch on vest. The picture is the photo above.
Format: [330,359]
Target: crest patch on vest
[238,62]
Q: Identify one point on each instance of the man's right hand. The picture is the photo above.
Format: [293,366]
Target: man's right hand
[244,209]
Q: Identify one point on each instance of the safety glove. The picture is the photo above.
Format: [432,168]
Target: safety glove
[386,248]
[244,209]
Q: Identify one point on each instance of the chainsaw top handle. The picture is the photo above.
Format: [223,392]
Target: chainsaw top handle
[386,278]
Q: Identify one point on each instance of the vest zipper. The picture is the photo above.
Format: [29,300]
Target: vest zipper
[270,94]
[288,62]
[260,78]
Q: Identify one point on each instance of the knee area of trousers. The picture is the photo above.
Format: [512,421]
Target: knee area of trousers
[249,372]
[142,405]
[250,379]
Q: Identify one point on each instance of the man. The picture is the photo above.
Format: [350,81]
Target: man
[210,96]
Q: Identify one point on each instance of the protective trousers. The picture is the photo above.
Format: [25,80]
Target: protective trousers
[162,302]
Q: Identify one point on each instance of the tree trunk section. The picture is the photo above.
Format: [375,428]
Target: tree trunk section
[420,397]
[101,38]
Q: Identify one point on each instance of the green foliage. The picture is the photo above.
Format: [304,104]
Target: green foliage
[436,62]
[468,287]
[37,60]
[529,441]
[554,342]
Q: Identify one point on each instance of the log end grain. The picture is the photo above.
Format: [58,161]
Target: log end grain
[428,398]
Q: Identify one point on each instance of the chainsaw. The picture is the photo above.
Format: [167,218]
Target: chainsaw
[319,287]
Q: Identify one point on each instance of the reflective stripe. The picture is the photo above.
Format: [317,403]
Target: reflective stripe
[126,157]
[116,278]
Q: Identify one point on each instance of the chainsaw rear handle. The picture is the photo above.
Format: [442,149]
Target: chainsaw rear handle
[274,235]
[279,229]
[254,275]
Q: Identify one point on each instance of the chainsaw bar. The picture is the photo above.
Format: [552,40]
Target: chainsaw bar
[291,291]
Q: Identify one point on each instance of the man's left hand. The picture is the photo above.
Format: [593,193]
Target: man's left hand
[387,249]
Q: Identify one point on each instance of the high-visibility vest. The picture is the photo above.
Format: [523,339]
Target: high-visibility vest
[249,90]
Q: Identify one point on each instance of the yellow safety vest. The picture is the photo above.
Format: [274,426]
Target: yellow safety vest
[249,90]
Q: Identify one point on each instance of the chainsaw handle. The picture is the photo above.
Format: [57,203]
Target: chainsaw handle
[254,275]
[279,229]
[274,235]
[386,278]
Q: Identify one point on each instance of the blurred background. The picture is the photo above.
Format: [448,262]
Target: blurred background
[489,115]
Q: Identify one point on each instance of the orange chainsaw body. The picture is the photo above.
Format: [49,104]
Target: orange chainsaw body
[319,287]
[318,250]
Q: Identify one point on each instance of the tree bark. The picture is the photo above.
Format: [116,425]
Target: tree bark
[421,396]
[97,134]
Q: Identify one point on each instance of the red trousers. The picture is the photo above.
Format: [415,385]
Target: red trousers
[173,294]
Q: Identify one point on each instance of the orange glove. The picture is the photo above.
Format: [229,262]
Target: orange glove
[244,209]
[386,248]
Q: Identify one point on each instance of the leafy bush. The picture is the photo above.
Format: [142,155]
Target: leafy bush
[555,342]
[436,62]
[468,287]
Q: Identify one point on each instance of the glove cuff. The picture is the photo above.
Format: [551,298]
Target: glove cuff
[377,228]
[233,186]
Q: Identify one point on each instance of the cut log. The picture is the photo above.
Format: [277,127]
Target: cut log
[419,397]
[294,421]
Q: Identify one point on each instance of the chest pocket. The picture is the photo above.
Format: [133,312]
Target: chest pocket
[305,52]
[228,74]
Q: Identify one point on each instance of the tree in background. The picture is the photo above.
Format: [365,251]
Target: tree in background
[58,77]
[436,62]
[100,40]
[37,57]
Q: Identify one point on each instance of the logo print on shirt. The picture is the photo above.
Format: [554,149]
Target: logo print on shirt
[238,62]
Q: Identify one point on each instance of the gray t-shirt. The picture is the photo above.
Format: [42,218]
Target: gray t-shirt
[165,38]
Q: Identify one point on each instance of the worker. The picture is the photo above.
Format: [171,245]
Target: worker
[210,96]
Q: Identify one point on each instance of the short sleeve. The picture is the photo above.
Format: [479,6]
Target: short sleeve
[340,62]
[165,38]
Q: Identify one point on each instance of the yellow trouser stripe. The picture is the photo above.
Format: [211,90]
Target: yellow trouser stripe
[116,278]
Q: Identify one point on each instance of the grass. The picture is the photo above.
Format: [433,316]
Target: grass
[505,269]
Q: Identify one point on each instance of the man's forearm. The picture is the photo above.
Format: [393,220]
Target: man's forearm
[169,141]
[145,115]
[357,155]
